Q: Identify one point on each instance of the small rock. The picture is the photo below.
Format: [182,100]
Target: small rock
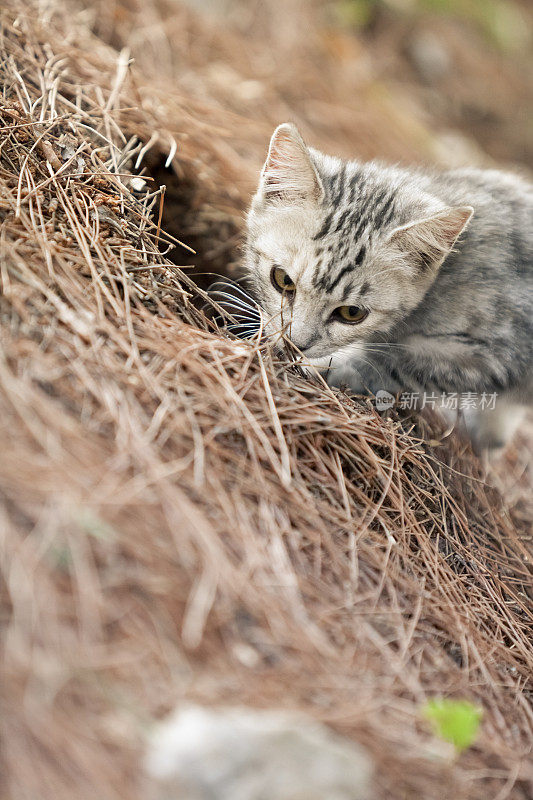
[249,754]
[429,56]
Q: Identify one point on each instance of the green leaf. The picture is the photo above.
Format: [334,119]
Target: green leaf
[354,13]
[456,721]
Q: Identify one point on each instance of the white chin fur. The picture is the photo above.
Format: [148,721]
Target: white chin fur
[340,357]
[339,368]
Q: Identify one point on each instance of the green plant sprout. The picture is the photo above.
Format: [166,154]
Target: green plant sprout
[455,721]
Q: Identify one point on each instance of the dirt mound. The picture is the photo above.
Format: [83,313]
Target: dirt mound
[182,515]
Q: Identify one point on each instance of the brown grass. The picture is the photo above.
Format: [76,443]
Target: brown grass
[185,517]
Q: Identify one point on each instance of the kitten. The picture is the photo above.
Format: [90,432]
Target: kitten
[399,279]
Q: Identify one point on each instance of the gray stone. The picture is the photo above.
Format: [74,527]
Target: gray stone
[430,56]
[248,754]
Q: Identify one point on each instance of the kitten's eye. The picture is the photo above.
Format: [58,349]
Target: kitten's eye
[281,281]
[350,314]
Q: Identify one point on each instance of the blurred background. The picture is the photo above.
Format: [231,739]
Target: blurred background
[450,80]
[446,82]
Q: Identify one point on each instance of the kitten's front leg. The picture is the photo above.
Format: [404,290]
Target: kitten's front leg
[491,429]
[360,375]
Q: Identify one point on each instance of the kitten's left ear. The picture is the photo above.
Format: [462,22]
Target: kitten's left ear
[431,239]
[289,173]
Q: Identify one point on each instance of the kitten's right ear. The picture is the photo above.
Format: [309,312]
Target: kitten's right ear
[288,174]
[430,240]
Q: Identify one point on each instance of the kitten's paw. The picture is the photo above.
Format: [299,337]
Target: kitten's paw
[492,430]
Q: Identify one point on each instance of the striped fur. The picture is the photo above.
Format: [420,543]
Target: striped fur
[441,261]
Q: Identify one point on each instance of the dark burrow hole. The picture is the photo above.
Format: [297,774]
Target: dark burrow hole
[213,234]
[214,231]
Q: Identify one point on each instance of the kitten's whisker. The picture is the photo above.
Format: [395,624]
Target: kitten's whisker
[378,352]
[235,287]
[244,323]
[240,314]
[244,318]
[233,284]
[248,330]
[226,305]
[241,333]
[387,344]
[235,300]
[227,298]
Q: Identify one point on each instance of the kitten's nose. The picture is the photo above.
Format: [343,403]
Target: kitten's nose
[301,347]
[304,345]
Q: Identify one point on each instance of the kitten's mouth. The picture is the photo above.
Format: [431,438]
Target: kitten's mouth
[318,362]
[333,358]
[313,356]
[317,356]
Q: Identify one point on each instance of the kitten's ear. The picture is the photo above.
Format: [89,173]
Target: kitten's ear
[431,239]
[288,173]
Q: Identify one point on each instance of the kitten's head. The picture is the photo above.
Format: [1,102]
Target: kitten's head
[339,252]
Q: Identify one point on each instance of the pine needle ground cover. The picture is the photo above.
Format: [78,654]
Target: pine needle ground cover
[185,517]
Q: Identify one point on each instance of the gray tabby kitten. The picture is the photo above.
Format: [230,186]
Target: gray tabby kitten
[398,279]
